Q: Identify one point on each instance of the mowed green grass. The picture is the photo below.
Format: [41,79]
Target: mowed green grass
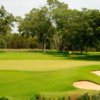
[30,73]
[34,55]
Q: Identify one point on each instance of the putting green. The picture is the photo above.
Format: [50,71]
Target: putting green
[43,65]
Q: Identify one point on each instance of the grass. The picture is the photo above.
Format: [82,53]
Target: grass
[42,65]
[29,73]
[34,55]
[21,83]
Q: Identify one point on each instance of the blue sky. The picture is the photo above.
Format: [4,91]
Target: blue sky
[21,7]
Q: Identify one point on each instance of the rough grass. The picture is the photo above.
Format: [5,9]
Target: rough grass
[28,73]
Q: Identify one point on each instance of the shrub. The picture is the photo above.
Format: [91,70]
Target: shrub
[3,43]
[3,98]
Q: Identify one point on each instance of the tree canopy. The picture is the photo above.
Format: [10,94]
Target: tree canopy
[6,21]
[54,26]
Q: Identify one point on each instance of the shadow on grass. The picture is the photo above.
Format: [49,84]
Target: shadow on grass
[57,53]
[86,57]
[75,56]
[65,55]
[53,53]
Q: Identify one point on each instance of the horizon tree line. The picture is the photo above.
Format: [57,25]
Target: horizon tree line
[53,26]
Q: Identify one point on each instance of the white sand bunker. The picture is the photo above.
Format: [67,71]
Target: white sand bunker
[86,85]
[96,72]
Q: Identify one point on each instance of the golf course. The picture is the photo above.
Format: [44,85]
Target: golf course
[50,50]
[24,74]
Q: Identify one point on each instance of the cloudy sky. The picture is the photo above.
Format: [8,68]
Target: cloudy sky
[21,7]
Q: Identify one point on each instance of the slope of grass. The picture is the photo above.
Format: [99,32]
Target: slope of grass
[43,65]
[48,55]
[18,55]
[29,73]
[21,83]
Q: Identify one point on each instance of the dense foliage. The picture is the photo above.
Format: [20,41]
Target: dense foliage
[53,26]
[85,96]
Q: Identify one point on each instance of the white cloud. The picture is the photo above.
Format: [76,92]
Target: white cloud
[78,4]
[21,7]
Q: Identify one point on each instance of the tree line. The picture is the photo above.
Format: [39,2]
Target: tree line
[53,26]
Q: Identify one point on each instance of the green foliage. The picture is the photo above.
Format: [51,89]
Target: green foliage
[17,41]
[37,23]
[3,98]
[6,21]
[85,96]
[53,26]
[3,43]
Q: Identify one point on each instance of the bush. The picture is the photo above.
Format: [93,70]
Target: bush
[85,96]
[3,43]
[3,98]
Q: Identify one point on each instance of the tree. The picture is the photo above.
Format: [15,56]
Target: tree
[3,43]
[87,35]
[6,21]
[58,11]
[37,24]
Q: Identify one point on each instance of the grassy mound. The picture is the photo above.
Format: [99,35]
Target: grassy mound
[29,73]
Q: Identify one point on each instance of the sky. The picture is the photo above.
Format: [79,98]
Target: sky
[21,7]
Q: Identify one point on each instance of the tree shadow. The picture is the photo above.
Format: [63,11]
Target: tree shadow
[57,53]
[86,57]
[74,56]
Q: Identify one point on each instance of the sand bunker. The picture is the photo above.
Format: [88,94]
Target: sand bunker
[86,85]
[96,72]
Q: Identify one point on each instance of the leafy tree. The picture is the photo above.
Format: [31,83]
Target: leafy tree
[6,21]
[38,24]
[3,43]
[53,26]
[58,11]
[87,29]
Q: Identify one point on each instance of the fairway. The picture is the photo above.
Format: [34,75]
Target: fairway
[43,65]
[29,73]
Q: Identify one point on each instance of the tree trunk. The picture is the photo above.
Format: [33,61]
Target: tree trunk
[43,48]
[81,51]
[44,45]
